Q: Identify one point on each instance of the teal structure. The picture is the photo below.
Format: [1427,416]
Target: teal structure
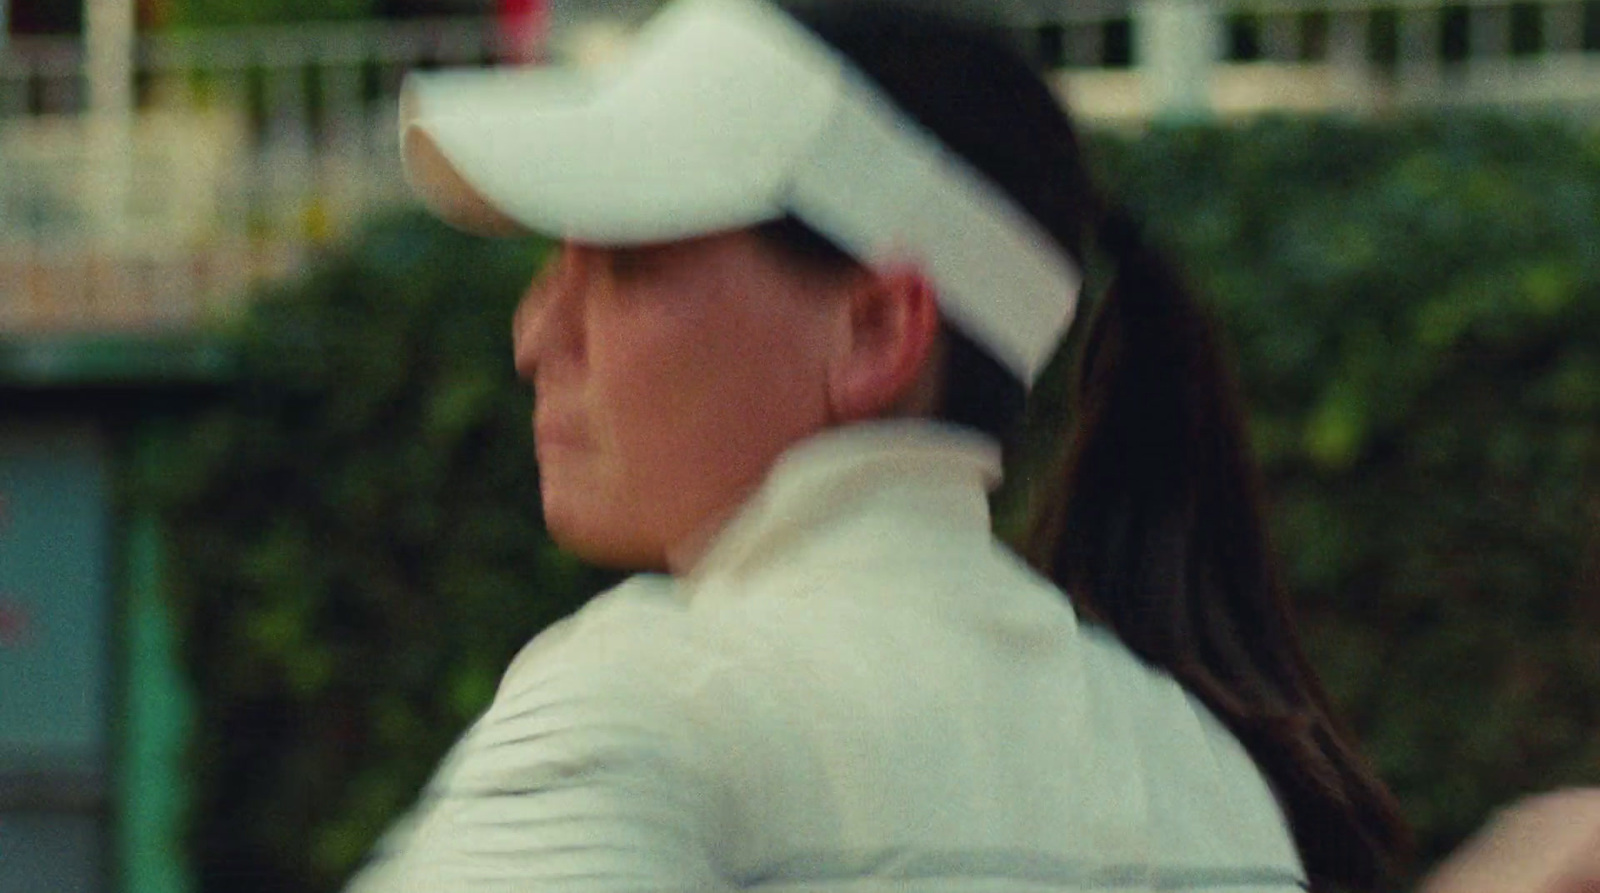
[94,707]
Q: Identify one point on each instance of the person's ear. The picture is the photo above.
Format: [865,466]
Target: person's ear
[890,333]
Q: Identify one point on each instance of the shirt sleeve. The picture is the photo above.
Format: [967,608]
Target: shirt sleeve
[579,779]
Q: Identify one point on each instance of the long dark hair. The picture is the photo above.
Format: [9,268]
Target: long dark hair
[1155,523]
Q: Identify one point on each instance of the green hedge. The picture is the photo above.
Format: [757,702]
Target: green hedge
[357,549]
[1416,310]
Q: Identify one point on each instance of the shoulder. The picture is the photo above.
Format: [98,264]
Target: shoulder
[620,679]
[1206,793]
[626,609]
[583,773]
[603,698]
[638,636]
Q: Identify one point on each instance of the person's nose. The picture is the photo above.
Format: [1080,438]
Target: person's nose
[548,326]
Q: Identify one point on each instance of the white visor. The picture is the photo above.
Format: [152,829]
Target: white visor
[723,115]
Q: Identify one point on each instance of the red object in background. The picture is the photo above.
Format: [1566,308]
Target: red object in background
[523,28]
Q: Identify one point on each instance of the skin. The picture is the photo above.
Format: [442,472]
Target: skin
[669,378]
[1549,843]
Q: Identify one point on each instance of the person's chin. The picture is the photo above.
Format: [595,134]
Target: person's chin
[600,544]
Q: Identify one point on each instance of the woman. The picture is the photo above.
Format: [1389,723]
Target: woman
[810,263]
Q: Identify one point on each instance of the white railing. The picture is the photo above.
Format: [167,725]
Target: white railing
[250,148]
[1360,56]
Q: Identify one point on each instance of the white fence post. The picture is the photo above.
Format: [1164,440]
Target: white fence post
[1489,34]
[1563,28]
[108,68]
[1419,49]
[1176,44]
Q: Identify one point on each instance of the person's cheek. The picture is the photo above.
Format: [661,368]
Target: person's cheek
[643,413]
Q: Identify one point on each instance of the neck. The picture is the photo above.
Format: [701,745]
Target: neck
[683,555]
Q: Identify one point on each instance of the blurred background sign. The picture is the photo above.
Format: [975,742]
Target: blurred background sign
[54,643]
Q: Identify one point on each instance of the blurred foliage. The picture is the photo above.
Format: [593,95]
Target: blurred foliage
[357,549]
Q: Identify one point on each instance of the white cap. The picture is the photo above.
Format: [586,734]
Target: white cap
[723,115]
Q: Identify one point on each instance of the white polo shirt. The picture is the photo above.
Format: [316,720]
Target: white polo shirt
[857,689]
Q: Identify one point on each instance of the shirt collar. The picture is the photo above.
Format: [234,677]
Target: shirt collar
[942,470]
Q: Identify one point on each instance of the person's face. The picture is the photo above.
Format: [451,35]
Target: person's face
[667,379]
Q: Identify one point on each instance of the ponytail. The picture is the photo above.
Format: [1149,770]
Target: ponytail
[1156,529]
